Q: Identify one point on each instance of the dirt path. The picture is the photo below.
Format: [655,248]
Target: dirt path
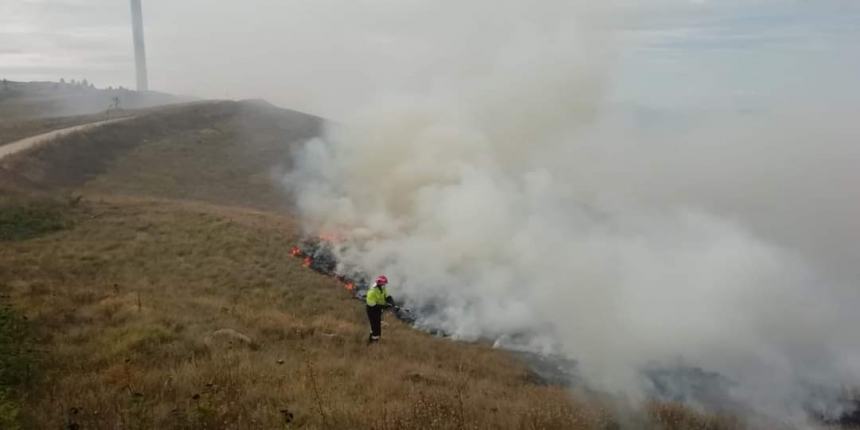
[23,144]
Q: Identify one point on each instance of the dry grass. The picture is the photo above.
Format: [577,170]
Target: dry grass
[232,161]
[129,303]
[77,157]
[125,304]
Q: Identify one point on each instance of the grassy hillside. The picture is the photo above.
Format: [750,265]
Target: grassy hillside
[14,129]
[167,298]
[129,302]
[31,108]
[142,306]
[224,152]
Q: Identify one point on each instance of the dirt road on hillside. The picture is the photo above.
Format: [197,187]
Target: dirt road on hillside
[30,142]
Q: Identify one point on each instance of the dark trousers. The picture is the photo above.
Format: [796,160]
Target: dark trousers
[374,315]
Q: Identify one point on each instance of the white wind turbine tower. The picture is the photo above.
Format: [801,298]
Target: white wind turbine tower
[139,49]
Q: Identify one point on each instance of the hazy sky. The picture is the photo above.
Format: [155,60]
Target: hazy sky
[328,55]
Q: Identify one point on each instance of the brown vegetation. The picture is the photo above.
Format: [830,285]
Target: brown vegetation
[222,152]
[125,304]
[128,304]
[153,307]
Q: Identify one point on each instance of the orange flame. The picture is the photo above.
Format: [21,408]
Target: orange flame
[307,261]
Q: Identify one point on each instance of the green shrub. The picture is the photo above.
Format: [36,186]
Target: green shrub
[25,220]
[15,367]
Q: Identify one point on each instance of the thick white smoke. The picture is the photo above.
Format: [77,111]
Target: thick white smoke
[508,204]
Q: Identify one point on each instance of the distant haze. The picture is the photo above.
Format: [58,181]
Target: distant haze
[330,57]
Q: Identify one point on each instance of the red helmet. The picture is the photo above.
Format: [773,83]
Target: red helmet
[381,280]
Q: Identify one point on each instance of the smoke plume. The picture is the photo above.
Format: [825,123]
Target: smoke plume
[507,201]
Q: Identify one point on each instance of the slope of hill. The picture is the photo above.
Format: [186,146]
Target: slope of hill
[31,108]
[143,308]
[166,298]
[14,130]
[223,152]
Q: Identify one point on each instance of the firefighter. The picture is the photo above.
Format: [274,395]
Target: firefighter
[377,300]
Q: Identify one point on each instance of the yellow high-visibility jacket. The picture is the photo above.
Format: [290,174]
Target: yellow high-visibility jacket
[377,296]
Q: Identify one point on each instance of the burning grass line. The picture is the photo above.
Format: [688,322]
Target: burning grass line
[308,261]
